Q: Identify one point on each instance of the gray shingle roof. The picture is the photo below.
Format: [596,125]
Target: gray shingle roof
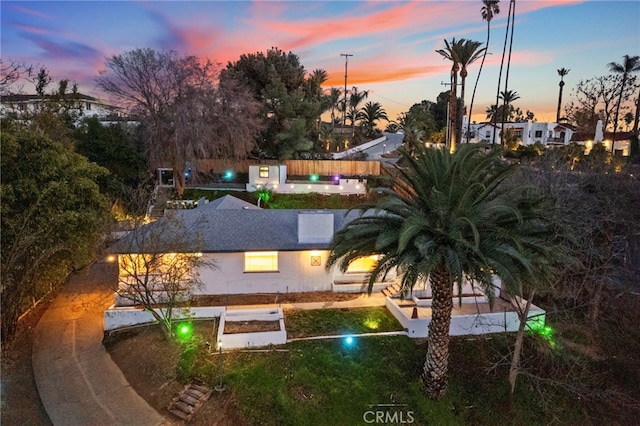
[228,230]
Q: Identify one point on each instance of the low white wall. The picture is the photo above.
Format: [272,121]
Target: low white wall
[464,325]
[465,299]
[119,317]
[344,187]
[249,340]
[337,287]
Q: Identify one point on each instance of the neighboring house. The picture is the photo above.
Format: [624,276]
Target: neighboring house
[527,133]
[86,105]
[260,250]
[589,139]
[274,178]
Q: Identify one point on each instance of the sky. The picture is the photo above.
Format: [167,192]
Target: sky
[393,43]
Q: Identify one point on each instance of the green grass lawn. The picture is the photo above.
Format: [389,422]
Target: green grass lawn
[330,382]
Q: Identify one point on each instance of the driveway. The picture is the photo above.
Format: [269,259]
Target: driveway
[77,381]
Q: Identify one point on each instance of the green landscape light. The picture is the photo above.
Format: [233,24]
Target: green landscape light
[184,330]
[314,178]
[228,175]
[349,340]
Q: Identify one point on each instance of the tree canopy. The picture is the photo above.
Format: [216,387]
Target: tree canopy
[291,101]
[52,216]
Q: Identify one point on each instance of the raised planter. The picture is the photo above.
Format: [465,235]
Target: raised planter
[254,339]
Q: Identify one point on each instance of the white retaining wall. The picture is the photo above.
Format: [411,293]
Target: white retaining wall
[464,325]
[248,340]
[127,316]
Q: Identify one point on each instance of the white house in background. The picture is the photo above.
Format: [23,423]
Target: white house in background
[588,140]
[527,133]
[275,179]
[87,105]
[261,250]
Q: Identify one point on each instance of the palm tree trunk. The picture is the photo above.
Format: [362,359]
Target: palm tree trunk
[559,101]
[453,101]
[435,371]
[637,117]
[615,120]
[475,86]
[504,52]
[512,19]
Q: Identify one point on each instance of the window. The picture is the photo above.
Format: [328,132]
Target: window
[363,264]
[517,133]
[538,133]
[264,171]
[487,134]
[261,261]
[87,106]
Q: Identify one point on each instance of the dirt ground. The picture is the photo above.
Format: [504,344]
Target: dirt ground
[154,379]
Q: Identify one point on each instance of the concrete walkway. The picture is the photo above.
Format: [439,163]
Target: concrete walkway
[77,381]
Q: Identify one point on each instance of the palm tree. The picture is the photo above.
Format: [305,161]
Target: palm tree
[561,72]
[504,52]
[353,104]
[451,52]
[334,99]
[469,52]
[508,96]
[449,217]
[630,64]
[488,11]
[371,113]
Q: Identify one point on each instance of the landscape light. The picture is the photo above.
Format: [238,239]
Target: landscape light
[184,330]
[348,340]
[314,178]
[228,175]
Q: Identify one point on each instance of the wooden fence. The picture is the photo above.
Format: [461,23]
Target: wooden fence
[296,167]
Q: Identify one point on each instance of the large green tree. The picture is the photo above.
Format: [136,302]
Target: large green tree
[113,147]
[448,218]
[279,82]
[52,216]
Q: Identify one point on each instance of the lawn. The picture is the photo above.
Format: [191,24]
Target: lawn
[332,382]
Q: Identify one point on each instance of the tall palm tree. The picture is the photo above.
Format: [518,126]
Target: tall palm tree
[561,72]
[451,52]
[448,218]
[630,64]
[512,20]
[488,11]
[469,52]
[372,112]
[504,52]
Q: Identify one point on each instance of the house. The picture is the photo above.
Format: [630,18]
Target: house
[274,178]
[526,133]
[589,139]
[254,250]
[84,105]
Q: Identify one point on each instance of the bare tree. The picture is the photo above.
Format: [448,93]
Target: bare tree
[598,96]
[11,73]
[159,266]
[185,114]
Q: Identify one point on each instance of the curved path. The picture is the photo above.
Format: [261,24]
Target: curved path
[77,381]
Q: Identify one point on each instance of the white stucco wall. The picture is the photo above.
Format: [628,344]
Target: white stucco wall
[295,274]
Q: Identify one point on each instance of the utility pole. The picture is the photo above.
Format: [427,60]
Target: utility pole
[344,111]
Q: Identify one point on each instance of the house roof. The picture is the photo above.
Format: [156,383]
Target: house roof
[227,202]
[227,230]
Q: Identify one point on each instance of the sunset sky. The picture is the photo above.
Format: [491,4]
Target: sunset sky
[393,43]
